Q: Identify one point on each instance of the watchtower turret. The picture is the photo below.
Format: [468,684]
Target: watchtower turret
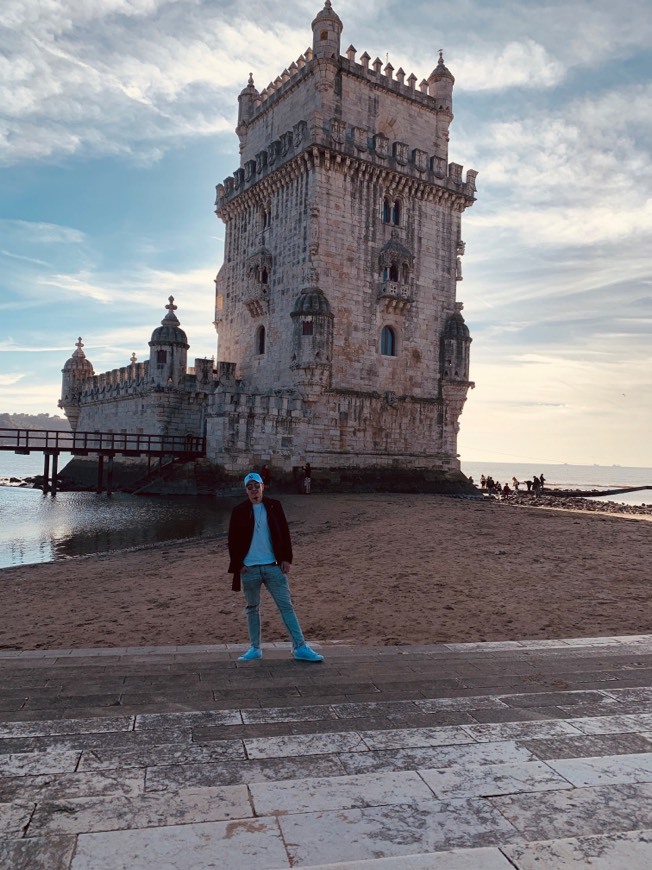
[326,31]
[312,336]
[455,347]
[440,85]
[168,350]
[75,372]
[246,106]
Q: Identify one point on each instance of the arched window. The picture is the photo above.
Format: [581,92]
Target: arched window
[161,357]
[260,340]
[263,276]
[396,213]
[388,341]
[393,272]
[387,211]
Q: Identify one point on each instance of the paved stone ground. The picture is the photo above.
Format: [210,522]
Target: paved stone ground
[453,757]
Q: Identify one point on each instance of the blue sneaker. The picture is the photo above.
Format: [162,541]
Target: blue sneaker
[303,653]
[251,655]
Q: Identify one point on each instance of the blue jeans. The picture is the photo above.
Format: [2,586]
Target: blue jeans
[255,576]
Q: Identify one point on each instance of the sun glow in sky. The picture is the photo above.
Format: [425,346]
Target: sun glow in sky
[117,120]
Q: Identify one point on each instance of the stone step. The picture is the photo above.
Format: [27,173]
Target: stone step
[104,682]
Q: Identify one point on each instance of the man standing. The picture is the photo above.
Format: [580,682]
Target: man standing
[260,551]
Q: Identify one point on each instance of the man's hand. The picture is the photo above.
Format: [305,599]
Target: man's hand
[285,567]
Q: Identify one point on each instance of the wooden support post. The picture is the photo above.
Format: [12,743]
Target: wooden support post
[55,464]
[100,473]
[109,475]
[46,471]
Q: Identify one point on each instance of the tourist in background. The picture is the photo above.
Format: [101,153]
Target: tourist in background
[307,478]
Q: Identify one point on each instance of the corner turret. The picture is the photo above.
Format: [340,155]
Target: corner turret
[326,30]
[168,350]
[455,347]
[246,107]
[312,338]
[440,85]
[75,372]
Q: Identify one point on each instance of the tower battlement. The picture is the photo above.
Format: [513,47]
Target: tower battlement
[427,94]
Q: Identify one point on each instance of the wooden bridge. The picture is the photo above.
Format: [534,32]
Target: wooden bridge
[104,445]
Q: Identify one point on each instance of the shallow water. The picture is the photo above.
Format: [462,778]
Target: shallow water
[41,528]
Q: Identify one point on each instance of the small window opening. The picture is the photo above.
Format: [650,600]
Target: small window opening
[387,211]
[260,340]
[263,276]
[323,35]
[306,327]
[393,272]
[388,341]
[161,357]
[396,213]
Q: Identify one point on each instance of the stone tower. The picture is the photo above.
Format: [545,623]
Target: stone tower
[336,302]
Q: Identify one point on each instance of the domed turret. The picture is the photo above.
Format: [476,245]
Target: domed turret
[168,349]
[312,335]
[311,301]
[456,327]
[78,363]
[455,347]
[326,30]
[76,371]
[246,101]
[440,85]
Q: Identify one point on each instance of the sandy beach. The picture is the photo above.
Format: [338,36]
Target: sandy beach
[376,569]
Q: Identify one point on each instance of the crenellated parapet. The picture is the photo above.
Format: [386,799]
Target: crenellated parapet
[433,93]
[353,149]
[126,380]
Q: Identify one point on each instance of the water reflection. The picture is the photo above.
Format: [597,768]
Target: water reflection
[38,528]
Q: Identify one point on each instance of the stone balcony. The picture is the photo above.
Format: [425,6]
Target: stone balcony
[394,296]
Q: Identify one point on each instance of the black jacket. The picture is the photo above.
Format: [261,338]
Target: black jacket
[241,531]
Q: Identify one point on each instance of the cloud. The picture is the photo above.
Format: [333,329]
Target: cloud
[38,233]
[130,82]
[11,346]
[10,379]
[524,64]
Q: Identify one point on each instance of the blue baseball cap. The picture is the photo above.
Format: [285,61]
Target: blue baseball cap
[253,476]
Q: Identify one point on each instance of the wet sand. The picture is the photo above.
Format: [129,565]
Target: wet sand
[375,569]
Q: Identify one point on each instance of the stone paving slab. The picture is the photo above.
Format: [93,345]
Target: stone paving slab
[255,843]
[494,756]
[38,853]
[456,859]
[615,852]
[392,831]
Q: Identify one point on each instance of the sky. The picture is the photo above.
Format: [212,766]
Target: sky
[117,121]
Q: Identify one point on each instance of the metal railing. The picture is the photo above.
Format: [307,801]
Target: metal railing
[107,443]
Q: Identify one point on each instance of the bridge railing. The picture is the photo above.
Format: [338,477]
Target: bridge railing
[126,443]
